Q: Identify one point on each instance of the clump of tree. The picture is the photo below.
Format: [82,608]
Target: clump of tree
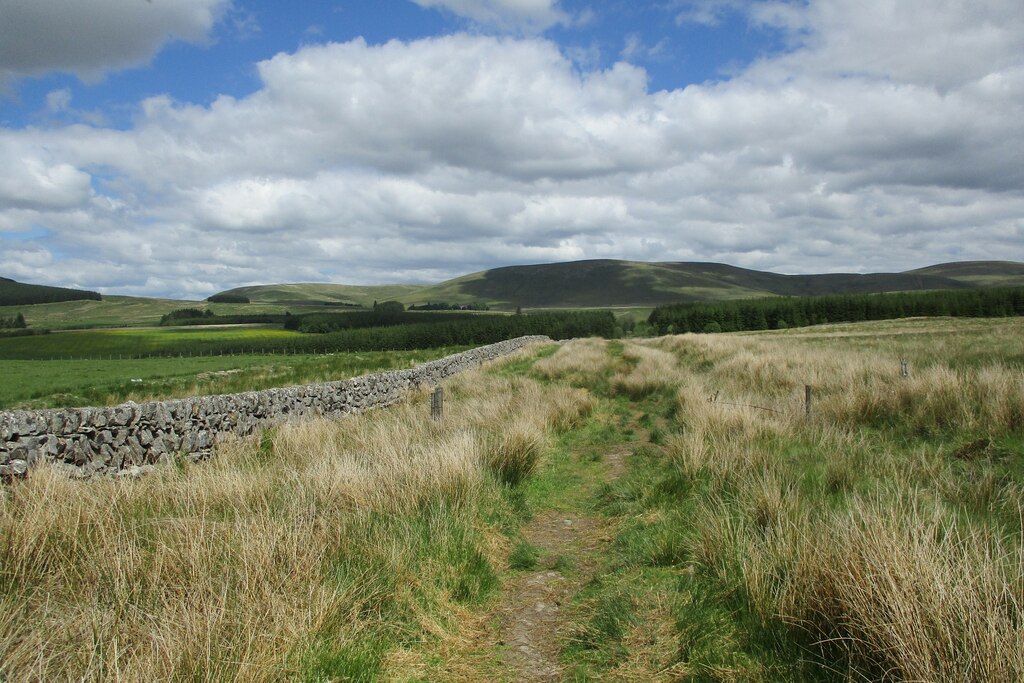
[174,317]
[389,307]
[13,322]
[321,323]
[226,298]
[777,313]
[204,316]
[445,306]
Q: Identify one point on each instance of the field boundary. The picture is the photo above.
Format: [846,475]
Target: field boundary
[125,437]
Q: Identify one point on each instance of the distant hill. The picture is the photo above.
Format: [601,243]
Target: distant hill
[600,283]
[20,294]
[979,273]
[325,294]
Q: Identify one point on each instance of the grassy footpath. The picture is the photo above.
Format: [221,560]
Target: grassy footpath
[878,540]
[881,539]
[48,384]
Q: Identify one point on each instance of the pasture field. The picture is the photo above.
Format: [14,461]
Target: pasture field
[113,344]
[52,384]
[597,510]
[130,311]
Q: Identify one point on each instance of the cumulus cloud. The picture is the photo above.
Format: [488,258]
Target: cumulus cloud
[420,160]
[91,38]
[30,181]
[932,43]
[530,16]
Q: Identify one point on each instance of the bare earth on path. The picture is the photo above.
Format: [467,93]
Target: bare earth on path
[531,613]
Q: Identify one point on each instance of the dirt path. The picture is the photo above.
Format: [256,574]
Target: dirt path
[531,613]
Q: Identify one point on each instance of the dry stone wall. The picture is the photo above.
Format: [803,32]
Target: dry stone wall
[126,437]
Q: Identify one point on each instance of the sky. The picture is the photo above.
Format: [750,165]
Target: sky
[183,147]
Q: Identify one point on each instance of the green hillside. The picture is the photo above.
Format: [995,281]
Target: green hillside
[579,284]
[313,294]
[131,311]
[20,294]
[625,283]
[604,283]
[979,273]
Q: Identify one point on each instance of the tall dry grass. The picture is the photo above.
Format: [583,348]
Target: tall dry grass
[578,361]
[923,598]
[862,526]
[272,561]
[647,369]
[857,388]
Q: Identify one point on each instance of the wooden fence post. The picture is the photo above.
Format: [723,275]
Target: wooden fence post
[904,368]
[807,399]
[437,403]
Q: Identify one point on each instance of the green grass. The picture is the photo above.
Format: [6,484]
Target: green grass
[307,293]
[130,311]
[122,343]
[48,384]
[523,556]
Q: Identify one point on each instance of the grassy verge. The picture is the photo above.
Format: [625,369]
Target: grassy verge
[49,384]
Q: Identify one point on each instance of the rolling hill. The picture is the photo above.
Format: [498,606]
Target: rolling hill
[603,283]
[304,294]
[979,273]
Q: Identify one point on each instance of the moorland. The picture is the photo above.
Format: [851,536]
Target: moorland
[629,503]
[668,499]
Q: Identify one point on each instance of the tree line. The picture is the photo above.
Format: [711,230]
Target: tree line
[445,306]
[321,323]
[20,294]
[774,313]
[225,298]
[204,316]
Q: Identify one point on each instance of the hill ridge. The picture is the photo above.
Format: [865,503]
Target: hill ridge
[614,282]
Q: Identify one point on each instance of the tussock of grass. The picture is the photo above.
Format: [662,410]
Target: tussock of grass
[579,361]
[913,593]
[648,370]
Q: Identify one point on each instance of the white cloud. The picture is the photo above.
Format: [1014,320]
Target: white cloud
[58,100]
[935,43]
[91,38]
[706,12]
[29,181]
[367,163]
[530,16]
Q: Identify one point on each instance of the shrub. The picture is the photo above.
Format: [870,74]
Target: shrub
[16,322]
